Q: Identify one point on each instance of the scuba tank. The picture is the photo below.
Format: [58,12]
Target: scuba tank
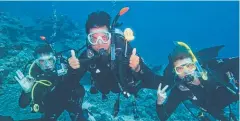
[121,66]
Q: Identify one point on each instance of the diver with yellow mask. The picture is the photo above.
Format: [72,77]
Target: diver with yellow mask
[194,82]
[49,93]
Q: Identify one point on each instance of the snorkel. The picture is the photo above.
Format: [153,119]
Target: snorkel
[115,20]
[113,26]
[203,73]
[121,69]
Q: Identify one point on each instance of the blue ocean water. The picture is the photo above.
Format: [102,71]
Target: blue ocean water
[156,24]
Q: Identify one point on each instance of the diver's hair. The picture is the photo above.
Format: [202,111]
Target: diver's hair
[179,53]
[97,19]
[42,49]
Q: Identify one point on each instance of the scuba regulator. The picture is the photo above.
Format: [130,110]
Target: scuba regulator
[188,79]
[103,54]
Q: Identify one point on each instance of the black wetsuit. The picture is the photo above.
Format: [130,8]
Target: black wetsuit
[6,118]
[211,96]
[64,94]
[107,80]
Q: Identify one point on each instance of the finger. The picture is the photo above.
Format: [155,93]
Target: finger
[134,51]
[165,88]
[75,64]
[73,60]
[164,95]
[17,78]
[137,58]
[137,61]
[73,54]
[159,87]
[130,61]
[20,74]
[69,60]
[76,67]
[133,57]
[131,65]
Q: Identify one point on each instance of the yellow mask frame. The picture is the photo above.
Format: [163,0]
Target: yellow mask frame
[199,68]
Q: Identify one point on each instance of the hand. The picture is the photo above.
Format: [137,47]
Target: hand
[134,61]
[73,61]
[161,94]
[25,82]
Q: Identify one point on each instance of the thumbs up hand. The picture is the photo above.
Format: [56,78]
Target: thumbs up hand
[73,61]
[134,61]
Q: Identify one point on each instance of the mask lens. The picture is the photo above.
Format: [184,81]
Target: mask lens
[103,36]
[46,62]
[41,61]
[189,67]
[179,69]
[51,60]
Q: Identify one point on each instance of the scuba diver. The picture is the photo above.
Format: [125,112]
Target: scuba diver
[200,83]
[47,89]
[114,66]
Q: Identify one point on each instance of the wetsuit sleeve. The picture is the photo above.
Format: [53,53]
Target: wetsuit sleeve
[175,98]
[149,79]
[146,75]
[77,74]
[6,118]
[24,100]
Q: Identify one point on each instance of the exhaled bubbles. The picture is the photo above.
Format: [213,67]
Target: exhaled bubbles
[113,7]
[54,23]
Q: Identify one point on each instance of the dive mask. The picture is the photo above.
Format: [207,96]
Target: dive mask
[99,36]
[187,68]
[46,61]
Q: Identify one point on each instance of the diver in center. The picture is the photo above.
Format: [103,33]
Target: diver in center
[113,64]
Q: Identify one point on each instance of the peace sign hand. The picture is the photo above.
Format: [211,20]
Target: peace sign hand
[161,94]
